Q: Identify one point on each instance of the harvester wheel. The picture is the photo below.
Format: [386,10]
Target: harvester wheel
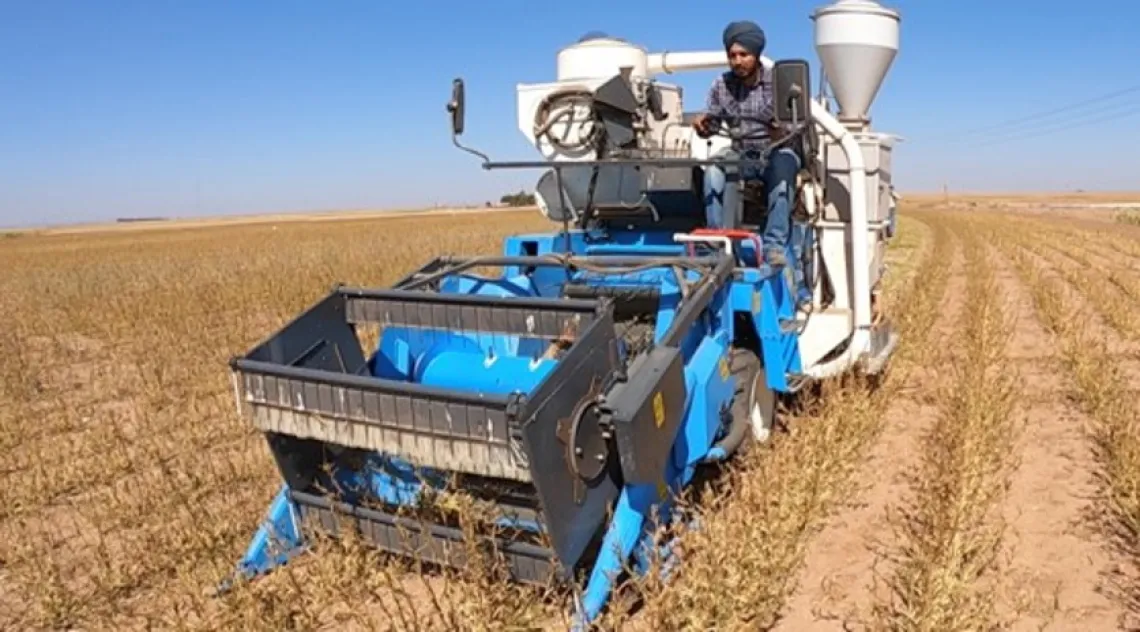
[753,399]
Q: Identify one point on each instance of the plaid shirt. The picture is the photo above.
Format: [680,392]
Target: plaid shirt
[750,107]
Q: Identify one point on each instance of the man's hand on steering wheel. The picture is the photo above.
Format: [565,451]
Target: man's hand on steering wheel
[732,132]
[777,132]
[703,125]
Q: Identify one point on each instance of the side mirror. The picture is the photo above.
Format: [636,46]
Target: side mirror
[791,85]
[455,107]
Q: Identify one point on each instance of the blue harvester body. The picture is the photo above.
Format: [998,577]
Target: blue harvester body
[579,390]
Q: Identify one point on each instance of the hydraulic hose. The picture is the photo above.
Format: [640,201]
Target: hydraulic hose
[565,102]
[732,441]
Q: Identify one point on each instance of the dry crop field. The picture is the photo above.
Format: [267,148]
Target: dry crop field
[992,479]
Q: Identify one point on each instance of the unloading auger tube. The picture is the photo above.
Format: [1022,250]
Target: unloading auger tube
[599,368]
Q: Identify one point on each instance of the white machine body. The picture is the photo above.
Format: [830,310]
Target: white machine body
[857,41]
[585,66]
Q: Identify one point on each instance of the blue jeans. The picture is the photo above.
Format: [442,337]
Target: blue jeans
[803,240]
[779,177]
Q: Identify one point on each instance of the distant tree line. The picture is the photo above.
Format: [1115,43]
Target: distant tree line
[522,198]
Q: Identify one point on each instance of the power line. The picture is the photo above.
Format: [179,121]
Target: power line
[1013,132]
[1048,113]
[1132,111]
[1084,113]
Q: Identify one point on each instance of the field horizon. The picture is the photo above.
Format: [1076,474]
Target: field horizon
[1129,199]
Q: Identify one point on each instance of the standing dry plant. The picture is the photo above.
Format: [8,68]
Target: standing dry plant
[948,531]
[1101,388]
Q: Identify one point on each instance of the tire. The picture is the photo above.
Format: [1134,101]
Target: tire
[753,400]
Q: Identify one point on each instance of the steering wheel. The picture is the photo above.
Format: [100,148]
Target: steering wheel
[733,132]
[729,127]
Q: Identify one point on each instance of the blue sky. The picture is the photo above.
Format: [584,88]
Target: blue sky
[175,108]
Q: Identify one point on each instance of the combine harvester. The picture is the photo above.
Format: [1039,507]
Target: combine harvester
[581,389]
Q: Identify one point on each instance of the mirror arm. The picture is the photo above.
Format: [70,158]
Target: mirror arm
[793,97]
[474,152]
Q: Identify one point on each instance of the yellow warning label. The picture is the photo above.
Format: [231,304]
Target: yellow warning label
[725,371]
[756,302]
[659,409]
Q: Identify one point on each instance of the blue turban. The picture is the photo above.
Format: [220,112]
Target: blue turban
[747,34]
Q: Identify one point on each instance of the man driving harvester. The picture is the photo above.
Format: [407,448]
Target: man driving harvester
[743,98]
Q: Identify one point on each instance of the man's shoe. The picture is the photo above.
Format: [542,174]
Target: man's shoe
[804,300]
[804,309]
[775,257]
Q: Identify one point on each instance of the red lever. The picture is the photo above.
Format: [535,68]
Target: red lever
[733,233]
